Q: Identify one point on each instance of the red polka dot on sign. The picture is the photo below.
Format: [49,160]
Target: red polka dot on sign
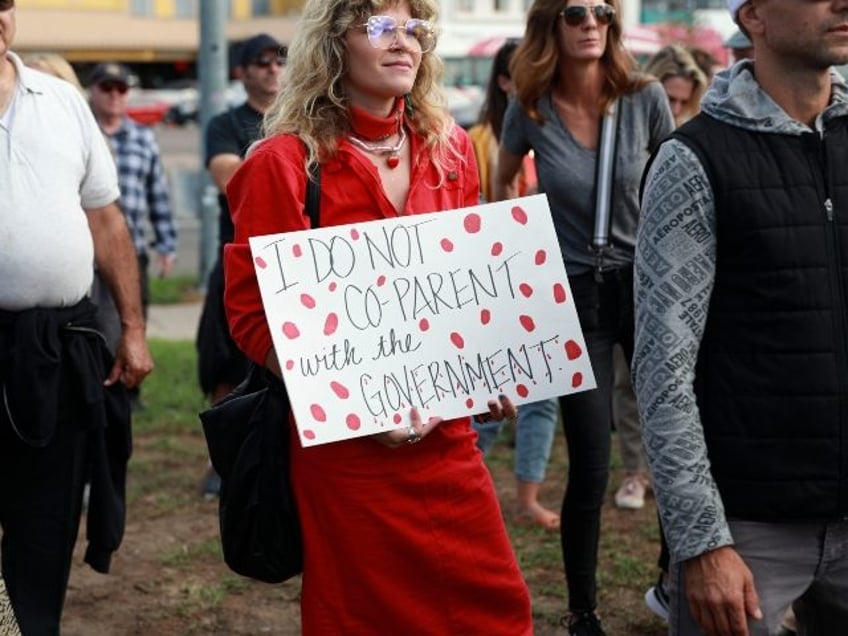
[260,262]
[446,244]
[576,380]
[457,340]
[381,280]
[332,286]
[290,330]
[353,422]
[289,365]
[541,257]
[526,290]
[340,390]
[331,324]
[519,215]
[309,434]
[559,293]
[307,301]
[354,234]
[318,413]
[573,350]
[485,316]
[527,322]
[297,251]
[397,419]
[522,390]
[472,223]
[497,248]
[469,403]
[424,324]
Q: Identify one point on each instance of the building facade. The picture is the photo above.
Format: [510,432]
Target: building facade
[140,31]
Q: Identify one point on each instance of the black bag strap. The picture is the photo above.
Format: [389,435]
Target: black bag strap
[313,194]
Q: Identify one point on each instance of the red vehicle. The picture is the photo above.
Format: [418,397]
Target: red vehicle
[146,109]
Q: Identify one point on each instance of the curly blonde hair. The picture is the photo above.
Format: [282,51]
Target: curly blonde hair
[313,104]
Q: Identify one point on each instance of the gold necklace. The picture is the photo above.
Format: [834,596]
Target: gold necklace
[392,152]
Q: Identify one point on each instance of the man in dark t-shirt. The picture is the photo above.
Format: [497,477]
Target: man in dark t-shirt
[260,67]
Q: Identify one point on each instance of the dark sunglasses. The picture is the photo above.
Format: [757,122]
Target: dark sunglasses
[108,87]
[577,14]
[265,61]
[5,5]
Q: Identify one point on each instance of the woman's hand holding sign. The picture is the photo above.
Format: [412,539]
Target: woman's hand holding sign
[498,410]
[415,432]
[418,430]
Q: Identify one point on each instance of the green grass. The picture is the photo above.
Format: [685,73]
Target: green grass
[171,394]
[173,289]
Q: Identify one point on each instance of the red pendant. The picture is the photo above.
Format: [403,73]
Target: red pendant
[393,161]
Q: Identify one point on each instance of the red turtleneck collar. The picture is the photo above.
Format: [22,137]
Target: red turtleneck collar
[369,127]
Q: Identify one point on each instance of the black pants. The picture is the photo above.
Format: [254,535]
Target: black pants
[40,505]
[605,310]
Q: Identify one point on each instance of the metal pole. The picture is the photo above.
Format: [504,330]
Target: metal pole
[212,62]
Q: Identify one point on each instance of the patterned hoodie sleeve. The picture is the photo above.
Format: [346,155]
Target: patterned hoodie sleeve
[675,269]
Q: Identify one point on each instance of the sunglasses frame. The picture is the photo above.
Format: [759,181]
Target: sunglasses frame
[379,21]
[110,86]
[604,14]
[265,61]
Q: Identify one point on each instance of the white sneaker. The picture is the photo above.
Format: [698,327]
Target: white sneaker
[631,494]
[656,598]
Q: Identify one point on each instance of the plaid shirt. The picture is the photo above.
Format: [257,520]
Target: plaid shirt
[144,188]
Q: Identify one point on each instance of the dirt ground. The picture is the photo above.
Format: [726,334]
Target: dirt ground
[168,577]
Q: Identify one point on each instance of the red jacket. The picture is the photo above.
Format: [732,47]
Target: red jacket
[267,196]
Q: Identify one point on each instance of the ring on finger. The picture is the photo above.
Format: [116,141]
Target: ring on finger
[412,436]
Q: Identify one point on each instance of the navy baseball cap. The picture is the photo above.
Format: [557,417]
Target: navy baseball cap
[255,46]
[109,72]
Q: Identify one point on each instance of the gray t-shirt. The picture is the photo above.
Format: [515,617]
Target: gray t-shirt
[566,172]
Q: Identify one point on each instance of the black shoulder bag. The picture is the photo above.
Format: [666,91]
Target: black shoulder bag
[247,434]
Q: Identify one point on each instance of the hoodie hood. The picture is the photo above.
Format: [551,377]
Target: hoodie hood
[736,99]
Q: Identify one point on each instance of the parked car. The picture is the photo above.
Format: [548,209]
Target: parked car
[146,108]
[186,108]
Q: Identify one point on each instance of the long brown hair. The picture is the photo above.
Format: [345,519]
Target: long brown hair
[494,108]
[534,65]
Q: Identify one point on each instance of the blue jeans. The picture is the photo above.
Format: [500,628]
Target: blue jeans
[534,435]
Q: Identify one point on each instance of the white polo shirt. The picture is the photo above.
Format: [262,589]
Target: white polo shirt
[54,164]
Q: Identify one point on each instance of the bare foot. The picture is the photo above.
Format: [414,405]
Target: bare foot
[537,514]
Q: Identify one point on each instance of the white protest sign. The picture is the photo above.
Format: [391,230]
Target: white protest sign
[440,311]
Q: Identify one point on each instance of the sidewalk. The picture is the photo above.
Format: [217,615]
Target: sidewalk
[174,322]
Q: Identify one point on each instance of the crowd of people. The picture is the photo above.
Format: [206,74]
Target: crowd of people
[698,212]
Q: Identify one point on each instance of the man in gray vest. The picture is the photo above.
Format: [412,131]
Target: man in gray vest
[741,352]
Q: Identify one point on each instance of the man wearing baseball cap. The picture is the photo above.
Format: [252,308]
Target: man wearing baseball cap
[145,196]
[741,352]
[260,65]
